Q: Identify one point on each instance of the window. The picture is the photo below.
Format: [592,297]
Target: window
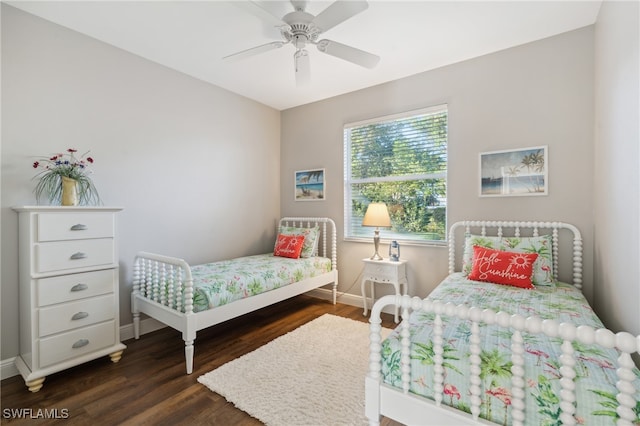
[399,160]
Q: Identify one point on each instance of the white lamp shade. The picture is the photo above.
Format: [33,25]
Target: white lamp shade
[377,215]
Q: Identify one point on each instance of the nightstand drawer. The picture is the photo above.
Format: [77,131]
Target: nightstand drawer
[383,273]
[67,288]
[74,226]
[67,316]
[69,345]
[63,255]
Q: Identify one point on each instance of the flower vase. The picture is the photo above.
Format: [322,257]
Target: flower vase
[69,191]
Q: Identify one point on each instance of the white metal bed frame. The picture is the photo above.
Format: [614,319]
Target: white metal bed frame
[411,409]
[172,303]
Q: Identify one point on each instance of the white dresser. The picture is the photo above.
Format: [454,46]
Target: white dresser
[68,289]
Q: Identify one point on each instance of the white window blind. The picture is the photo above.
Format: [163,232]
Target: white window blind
[400,160]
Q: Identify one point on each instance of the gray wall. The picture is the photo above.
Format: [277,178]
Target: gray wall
[617,164]
[172,150]
[536,94]
[177,153]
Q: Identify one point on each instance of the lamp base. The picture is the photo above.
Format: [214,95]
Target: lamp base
[376,244]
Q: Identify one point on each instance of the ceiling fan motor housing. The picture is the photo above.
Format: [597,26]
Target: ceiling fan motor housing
[300,29]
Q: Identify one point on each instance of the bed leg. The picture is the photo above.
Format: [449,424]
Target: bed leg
[136,325]
[372,401]
[188,355]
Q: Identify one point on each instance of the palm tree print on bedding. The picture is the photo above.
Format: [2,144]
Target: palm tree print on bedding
[595,366]
[223,282]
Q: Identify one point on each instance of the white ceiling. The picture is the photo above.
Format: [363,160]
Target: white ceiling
[409,36]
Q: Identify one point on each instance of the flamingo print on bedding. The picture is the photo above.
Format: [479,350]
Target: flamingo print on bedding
[595,372]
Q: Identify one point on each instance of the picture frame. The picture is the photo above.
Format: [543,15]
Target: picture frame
[309,185]
[514,172]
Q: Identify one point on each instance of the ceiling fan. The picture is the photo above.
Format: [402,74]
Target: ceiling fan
[300,28]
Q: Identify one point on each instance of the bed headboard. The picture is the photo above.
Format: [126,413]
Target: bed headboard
[517,229]
[327,234]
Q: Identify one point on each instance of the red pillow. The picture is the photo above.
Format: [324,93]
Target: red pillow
[289,246]
[502,267]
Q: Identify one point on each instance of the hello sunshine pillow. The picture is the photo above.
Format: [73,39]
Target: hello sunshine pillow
[502,267]
[542,245]
[289,246]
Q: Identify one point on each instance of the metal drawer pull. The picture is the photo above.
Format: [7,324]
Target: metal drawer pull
[79,287]
[79,316]
[78,255]
[79,227]
[80,343]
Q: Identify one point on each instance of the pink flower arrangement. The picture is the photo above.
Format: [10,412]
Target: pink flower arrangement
[67,165]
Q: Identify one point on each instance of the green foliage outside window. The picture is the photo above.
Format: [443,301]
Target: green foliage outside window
[402,163]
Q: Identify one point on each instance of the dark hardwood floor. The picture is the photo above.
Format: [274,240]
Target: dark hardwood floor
[149,385]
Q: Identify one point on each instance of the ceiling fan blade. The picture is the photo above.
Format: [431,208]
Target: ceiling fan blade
[348,53]
[338,12]
[302,67]
[262,10]
[255,51]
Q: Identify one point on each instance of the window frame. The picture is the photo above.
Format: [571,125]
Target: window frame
[349,181]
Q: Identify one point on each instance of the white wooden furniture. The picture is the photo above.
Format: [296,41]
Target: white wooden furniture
[157,295]
[68,267]
[384,272]
[403,406]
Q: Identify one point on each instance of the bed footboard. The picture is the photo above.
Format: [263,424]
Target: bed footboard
[163,289]
[165,280]
[379,396]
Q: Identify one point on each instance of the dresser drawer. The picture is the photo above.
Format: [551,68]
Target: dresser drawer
[67,316]
[74,226]
[72,287]
[74,343]
[62,255]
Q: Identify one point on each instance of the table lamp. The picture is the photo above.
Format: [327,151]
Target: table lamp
[377,215]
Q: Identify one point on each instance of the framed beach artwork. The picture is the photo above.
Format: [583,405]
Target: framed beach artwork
[309,185]
[515,172]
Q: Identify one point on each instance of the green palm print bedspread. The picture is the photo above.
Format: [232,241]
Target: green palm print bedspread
[595,366]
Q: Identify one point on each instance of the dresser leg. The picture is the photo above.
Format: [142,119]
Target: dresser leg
[115,357]
[35,385]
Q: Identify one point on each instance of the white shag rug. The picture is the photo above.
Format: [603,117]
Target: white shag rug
[311,376]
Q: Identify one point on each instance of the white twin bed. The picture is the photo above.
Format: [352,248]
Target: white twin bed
[526,352]
[191,298]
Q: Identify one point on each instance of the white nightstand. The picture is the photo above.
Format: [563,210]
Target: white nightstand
[383,272]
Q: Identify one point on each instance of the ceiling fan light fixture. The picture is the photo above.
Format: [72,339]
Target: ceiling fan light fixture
[302,68]
[299,58]
[300,41]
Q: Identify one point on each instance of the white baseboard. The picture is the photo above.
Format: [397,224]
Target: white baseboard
[345,298]
[146,326]
[8,368]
